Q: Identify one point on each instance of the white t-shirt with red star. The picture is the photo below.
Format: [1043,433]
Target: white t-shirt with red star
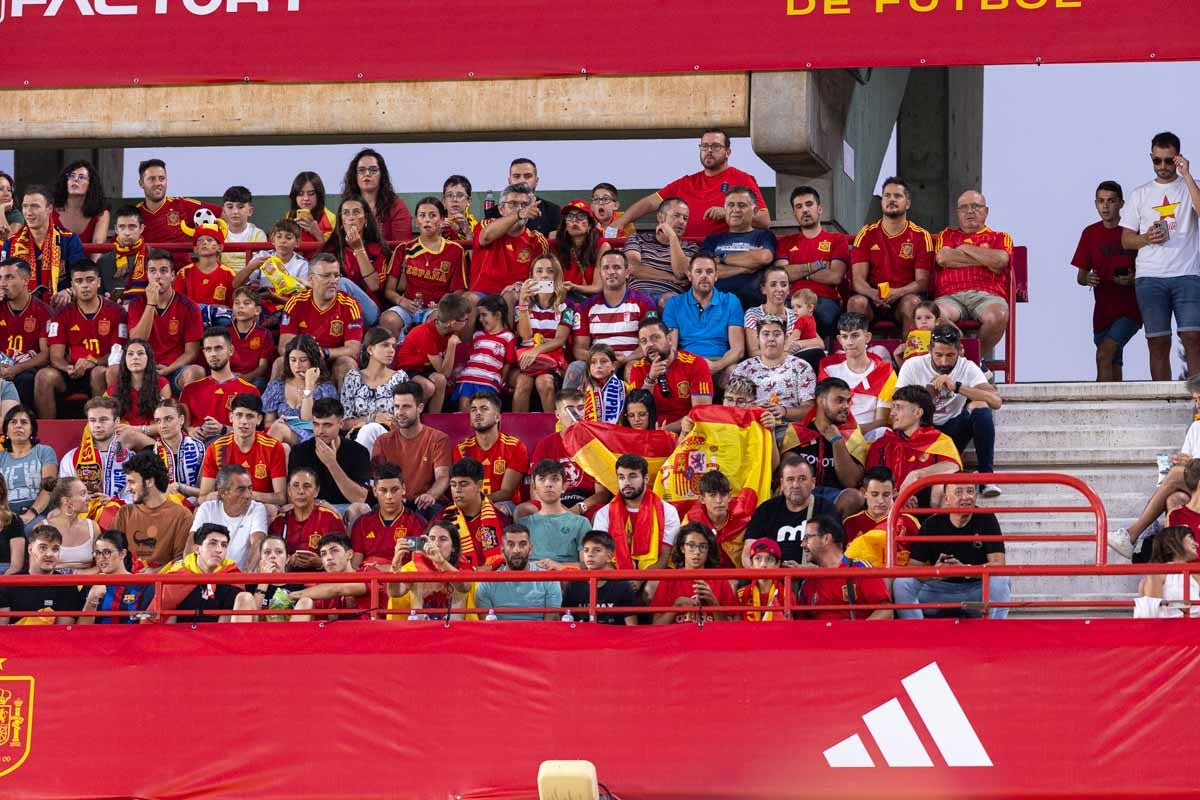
[1171,203]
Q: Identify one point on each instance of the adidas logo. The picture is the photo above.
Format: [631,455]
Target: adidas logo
[898,741]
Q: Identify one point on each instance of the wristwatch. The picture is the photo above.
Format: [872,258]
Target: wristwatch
[958,387]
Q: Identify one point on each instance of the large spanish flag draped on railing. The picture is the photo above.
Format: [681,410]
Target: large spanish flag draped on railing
[732,440]
[596,446]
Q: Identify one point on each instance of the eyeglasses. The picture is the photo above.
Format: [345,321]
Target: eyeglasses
[695,546]
[105,553]
[711,147]
[599,200]
[739,402]
[78,176]
[515,204]
[972,207]
[455,196]
[368,170]
[575,217]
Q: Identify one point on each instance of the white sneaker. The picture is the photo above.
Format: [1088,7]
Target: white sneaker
[1119,542]
[990,490]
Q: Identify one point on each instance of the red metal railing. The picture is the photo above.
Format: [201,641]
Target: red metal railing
[1095,507]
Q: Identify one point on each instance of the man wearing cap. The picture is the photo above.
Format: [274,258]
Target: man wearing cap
[824,539]
[765,593]
[207,282]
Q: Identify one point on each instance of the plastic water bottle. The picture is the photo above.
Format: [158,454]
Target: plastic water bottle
[491,616]
[489,201]
[5,359]
[412,615]
[568,617]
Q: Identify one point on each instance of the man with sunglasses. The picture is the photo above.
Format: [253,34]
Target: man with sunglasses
[962,397]
[505,247]
[1160,224]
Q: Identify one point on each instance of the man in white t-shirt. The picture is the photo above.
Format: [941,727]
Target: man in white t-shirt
[963,399]
[1160,223]
[244,518]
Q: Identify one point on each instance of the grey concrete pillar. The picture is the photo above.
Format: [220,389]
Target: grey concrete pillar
[939,140]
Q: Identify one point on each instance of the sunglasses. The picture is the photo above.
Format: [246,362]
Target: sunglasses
[944,337]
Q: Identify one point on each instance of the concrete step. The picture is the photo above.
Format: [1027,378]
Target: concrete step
[1055,459]
[1107,482]
[1069,437]
[1081,392]
[1177,415]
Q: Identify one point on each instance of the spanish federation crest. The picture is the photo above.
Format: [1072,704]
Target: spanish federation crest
[906,250]
[16,721]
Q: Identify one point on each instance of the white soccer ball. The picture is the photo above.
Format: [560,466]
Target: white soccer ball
[204,216]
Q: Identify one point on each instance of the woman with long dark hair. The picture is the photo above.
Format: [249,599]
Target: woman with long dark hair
[25,465]
[577,244]
[368,177]
[10,215]
[113,558]
[695,548]
[360,251]
[138,387]
[306,207]
[1160,595]
[80,205]
[288,402]
[441,552]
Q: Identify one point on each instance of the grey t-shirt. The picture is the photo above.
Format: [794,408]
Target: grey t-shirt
[24,474]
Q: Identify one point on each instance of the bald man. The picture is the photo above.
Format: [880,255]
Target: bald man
[971,271]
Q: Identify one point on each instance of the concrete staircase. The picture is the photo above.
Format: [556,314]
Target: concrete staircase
[1105,434]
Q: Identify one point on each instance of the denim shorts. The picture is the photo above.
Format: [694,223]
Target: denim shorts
[1157,298]
[1121,330]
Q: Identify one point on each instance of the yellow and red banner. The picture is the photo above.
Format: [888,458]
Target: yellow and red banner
[596,446]
[255,40]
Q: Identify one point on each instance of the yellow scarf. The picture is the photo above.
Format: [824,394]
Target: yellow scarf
[88,467]
[24,247]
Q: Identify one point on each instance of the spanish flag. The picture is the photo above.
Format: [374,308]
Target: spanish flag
[596,446]
[730,439]
[800,434]
[904,454]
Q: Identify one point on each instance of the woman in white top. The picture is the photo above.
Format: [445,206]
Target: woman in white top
[784,384]
[69,499]
[775,288]
[367,392]
[1173,545]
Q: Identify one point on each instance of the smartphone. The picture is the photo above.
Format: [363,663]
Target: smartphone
[1161,224]
[416,543]
[545,287]
[1123,272]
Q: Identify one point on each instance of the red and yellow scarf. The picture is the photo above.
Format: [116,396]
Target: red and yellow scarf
[732,534]
[644,533]
[49,265]
[475,550]
[134,272]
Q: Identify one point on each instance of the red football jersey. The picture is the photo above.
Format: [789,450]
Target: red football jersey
[206,288]
[132,417]
[164,224]
[505,261]
[375,256]
[823,248]
[332,326]
[844,590]
[702,192]
[210,398]
[507,453]
[88,335]
[952,280]
[173,327]
[421,342]
[856,525]
[375,537]
[249,348]
[687,375]
[306,534]
[669,591]
[431,274]
[264,461]
[21,330]
[893,259]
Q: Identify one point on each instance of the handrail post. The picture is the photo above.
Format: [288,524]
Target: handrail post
[593,591]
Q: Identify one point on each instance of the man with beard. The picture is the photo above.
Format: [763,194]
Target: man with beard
[520,594]
[581,493]
[422,452]
[642,526]
[707,321]
[962,397]
[45,542]
[783,517]
[170,321]
[159,530]
[164,217]
[891,261]
[815,258]
[704,191]
[610,318]
[23,322]
[479,522]
[505,459]
[828,438]
[658,260]
[677,379]
[208,400]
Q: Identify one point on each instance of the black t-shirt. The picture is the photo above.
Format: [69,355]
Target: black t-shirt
[613,594]
[352,457]
[35,598]
[14,531]
[203,599]
[773,520]
[981,524]
[819,454]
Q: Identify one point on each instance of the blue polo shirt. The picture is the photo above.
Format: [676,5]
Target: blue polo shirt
[703,331]
[531,594]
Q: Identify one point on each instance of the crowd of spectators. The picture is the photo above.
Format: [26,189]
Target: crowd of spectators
[264,410]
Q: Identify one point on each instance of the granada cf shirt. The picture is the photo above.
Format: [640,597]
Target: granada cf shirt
[823,249]
[206,288]
[333,326]
[686,376]
[431,274]
[306,534]
[893,259]
[951,280]
[21,330]
[376,537]
[507,453]
[88,335]
[702,192]
[264,461]
[164,225]
[249,348]
[504,261]
[173,326]
[210,398]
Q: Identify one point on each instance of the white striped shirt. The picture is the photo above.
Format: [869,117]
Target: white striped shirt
[490,352]
[615,326]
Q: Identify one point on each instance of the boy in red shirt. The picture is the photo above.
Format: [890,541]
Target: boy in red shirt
[173,325]
[262,456]
[427,352]
[208,282]
[374,535]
